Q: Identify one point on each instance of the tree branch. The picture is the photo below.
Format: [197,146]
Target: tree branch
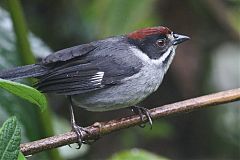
[99,129]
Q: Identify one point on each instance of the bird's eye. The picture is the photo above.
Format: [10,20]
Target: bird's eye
[160,42]
[175,35]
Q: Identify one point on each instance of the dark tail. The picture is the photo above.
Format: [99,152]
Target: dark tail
[33,70]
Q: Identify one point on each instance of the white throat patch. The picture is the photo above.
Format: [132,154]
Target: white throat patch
[146,59]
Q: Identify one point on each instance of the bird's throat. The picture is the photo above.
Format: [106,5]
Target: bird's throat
[167,59]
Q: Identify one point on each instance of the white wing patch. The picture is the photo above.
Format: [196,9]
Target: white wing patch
[97,78]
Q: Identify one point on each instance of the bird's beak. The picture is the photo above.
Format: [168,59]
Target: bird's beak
[179,39]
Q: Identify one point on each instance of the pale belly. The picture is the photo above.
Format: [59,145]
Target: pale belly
[132,91]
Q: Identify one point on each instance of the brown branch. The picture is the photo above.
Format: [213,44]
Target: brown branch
[99,129]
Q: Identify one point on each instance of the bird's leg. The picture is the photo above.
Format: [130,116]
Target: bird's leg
[77,129]
[141,111]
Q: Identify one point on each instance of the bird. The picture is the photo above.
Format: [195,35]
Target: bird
[109,74]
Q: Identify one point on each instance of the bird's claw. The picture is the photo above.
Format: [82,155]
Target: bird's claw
[80,132]
[141,111]
[77,129]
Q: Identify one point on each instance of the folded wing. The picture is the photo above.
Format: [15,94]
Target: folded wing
[86,68]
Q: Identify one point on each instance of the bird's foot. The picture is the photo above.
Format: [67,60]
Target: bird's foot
[80,132]
[141,111]
[77,129]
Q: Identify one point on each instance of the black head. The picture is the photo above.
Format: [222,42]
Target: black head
[155,41]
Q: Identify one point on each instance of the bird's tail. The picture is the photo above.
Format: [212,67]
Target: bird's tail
[32,70]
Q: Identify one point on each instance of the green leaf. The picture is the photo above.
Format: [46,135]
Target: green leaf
[21,156]
[25,92]
[10,137]
[13,105]
[136,154]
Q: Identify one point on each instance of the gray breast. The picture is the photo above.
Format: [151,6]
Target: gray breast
[133,90]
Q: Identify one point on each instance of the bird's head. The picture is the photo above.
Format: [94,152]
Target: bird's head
[157,43]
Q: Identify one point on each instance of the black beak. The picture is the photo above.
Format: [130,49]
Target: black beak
[179,39]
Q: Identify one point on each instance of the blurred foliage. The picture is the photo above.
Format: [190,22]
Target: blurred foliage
[9,58]
[202,65]
[27,57]
[115,17]
[10,104]
[21,32]
[227,122]
[234,10]
[162,129]
[136,154]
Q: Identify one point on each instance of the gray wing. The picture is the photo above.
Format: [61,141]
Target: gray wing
[101,66]
[68,53]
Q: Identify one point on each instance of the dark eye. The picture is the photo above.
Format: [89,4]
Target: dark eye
[175,35]
[160,42]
